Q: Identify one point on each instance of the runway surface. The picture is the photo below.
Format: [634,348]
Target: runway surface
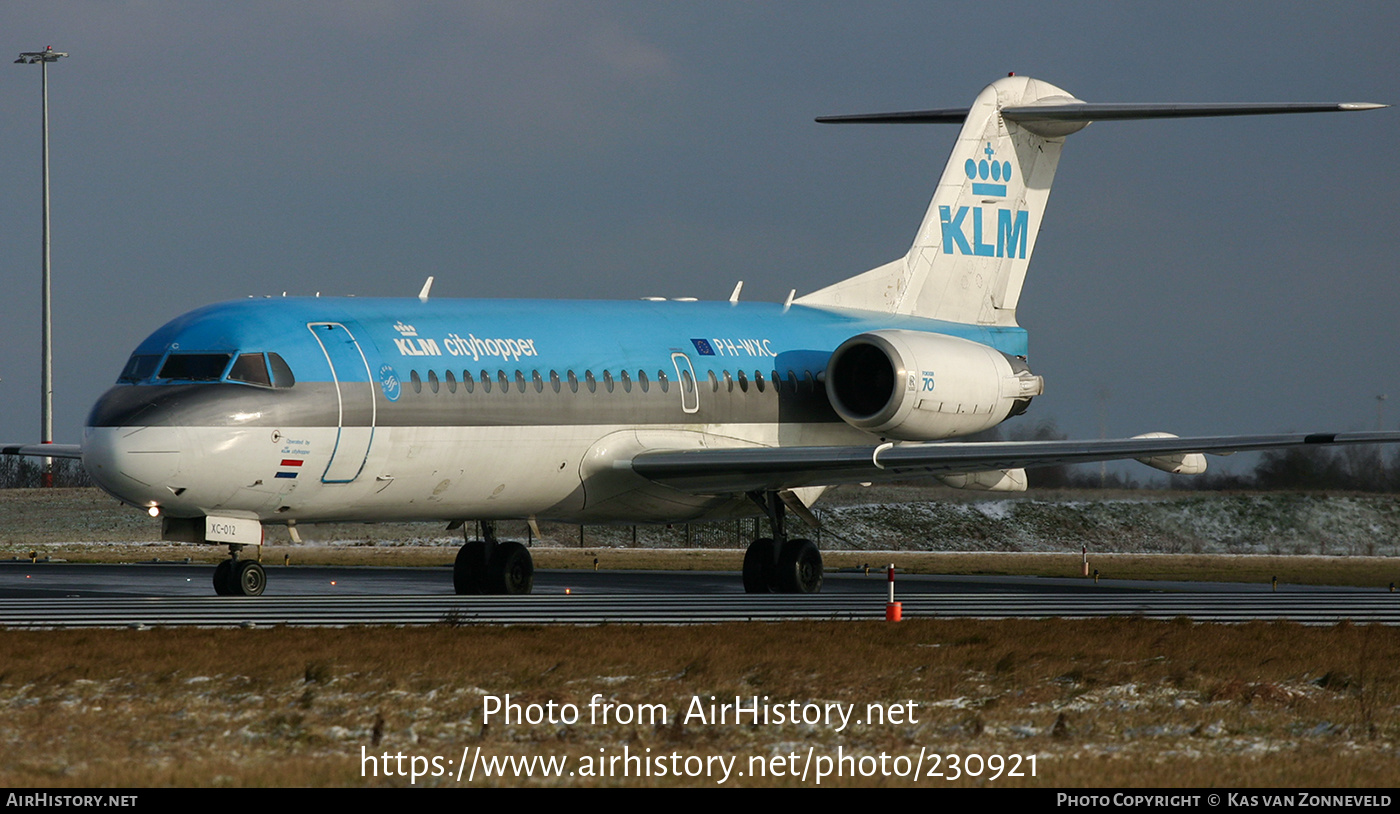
[146,595]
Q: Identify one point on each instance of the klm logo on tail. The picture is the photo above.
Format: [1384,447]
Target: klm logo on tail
[989,178]
[980,171]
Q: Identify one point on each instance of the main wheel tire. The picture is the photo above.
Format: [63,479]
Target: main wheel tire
[469,571]
[800,567]
[511,571]
[758,566]
[249,578]
[222,578]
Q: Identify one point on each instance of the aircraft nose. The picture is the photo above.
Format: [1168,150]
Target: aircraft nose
[136,464]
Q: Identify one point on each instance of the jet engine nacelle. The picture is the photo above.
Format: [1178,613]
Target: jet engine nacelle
[917,386]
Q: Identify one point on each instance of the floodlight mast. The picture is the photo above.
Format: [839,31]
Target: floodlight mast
[44,57]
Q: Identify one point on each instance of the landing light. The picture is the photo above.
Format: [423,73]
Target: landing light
[154,511]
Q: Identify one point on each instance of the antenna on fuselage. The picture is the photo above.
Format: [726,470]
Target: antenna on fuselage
[734,298]
[423,295]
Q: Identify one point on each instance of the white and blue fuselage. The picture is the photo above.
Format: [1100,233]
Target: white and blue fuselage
[309,409]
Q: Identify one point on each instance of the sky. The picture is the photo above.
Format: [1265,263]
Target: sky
[1197,277]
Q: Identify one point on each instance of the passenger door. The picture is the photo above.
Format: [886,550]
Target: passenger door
[356,410]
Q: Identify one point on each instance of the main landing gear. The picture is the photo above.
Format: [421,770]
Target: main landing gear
[778,564]
[235,577]
[489,566]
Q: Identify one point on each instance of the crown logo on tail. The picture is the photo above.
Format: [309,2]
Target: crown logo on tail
[988,169]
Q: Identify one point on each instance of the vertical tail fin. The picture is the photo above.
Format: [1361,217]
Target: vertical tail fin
[969,258]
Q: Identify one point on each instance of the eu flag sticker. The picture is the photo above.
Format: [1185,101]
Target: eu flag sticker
[702,347]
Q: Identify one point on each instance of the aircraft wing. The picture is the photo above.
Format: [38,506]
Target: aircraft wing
[43,450]
[710,471]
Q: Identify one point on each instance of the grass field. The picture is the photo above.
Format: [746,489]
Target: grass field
[1101,703]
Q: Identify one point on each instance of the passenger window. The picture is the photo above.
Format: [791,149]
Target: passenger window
[642,380]
[485,382]
[432,380]
[539,381]
[743,382]
[250,368]
[520,381]
[758,379]
[663,381]
[468,382]
[503,381]
[626,382]
[608,380]
[554,380]
[714,383]
[592,382]
[573,382]
[687,383]
[417,382]
[728,381]
[451,382]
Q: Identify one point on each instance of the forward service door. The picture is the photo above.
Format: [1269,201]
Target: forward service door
[355,405]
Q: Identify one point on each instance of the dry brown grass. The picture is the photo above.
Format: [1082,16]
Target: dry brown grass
[1101,703]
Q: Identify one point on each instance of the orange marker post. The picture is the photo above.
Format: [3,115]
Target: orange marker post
[894,611]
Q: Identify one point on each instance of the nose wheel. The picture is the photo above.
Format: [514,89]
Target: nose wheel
[235,577]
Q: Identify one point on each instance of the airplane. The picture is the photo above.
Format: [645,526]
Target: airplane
[259,412]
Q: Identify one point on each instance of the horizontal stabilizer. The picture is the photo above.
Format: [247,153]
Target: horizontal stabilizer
[947,115]
[1100,112]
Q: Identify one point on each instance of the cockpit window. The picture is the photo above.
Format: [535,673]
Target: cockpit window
[139,368]
[250,368]
[281,372]
[262,369]
[195,367]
